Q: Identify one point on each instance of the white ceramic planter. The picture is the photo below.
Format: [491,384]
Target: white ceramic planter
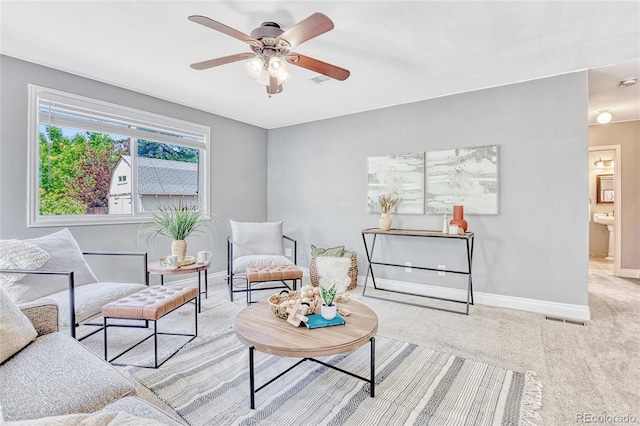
[328,312]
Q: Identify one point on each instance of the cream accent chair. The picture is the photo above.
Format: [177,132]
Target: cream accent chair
[64,277]
[255,244]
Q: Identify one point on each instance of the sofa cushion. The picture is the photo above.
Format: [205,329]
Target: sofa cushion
[256,238]
[90,298]
[16,254]
[65,255]
[16,331]
[56,375]
[240,264]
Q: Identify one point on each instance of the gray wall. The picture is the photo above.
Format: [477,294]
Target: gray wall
[537,247]
[627,135]
[237,152]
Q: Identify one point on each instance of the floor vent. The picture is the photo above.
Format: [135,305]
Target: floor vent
[568,321]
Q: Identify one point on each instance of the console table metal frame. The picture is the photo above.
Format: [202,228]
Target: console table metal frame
[468,237]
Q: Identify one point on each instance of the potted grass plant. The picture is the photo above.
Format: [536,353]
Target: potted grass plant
[176,222]
[328,308]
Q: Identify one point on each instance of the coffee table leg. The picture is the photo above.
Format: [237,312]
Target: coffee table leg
[252,393]
[373,367]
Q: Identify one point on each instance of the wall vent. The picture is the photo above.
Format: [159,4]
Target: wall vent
[565,320]
[320,79]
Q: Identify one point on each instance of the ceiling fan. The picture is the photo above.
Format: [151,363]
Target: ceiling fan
[271,50]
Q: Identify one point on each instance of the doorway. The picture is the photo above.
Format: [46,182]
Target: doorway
[605,205]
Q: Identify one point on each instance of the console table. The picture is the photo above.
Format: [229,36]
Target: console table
[467,237]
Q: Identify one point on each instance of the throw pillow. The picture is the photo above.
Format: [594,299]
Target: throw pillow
[16,331]
[333,269]
[65,255]
[334,251]
[16,254]
[256,238]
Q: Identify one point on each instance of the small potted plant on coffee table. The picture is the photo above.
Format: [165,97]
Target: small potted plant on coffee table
[328,308]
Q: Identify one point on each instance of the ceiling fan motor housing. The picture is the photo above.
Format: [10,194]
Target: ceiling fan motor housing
[267,30]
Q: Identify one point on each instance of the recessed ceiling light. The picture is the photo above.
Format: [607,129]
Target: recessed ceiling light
[627,82]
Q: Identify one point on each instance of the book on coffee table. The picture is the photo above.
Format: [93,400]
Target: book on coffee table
[316,321]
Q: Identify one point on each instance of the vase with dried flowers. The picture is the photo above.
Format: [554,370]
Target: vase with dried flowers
[386,202]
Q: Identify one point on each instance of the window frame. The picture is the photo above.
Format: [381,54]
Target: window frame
[130,115]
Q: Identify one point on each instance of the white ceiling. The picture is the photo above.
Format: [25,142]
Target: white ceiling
[397,51]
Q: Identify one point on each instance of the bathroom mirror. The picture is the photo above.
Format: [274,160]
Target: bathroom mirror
[604,184]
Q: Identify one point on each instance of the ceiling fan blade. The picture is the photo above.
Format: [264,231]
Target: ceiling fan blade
[318,66]
[307,29]
[215,25]
[220,61]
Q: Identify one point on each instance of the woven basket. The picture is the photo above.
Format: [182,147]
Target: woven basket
[281,311]
[353,273]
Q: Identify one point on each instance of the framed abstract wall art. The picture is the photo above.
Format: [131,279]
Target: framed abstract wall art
[399,173]
[463,176]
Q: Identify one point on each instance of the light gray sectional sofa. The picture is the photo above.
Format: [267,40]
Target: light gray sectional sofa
[55,375]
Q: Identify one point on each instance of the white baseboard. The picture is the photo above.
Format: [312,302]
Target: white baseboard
[532,305]
[630,273]
[565,310]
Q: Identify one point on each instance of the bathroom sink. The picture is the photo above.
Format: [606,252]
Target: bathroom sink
[603,219]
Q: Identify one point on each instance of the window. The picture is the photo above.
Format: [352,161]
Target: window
[93,162]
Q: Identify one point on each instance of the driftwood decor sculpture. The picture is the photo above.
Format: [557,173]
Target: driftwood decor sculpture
[297,314]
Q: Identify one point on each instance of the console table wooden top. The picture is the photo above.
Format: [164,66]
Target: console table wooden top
[257,326]
[416,233]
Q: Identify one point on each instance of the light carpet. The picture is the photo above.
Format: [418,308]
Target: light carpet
[207,383]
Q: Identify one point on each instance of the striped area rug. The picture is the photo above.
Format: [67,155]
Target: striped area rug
[207,383]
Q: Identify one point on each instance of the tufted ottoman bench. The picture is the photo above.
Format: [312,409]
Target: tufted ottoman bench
[261,274]
[150,304]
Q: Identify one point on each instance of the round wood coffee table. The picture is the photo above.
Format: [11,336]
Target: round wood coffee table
[257,327]
[157,269]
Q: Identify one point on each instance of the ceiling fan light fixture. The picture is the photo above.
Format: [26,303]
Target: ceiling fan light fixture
[604,117]
[277,67]
[265,78]
[253,67]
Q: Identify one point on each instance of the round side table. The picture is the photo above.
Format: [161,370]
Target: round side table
[156,269]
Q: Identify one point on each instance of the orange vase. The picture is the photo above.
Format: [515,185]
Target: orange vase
[458,218]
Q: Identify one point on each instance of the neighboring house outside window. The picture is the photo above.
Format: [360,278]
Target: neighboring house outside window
[160,182]
[82,170]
